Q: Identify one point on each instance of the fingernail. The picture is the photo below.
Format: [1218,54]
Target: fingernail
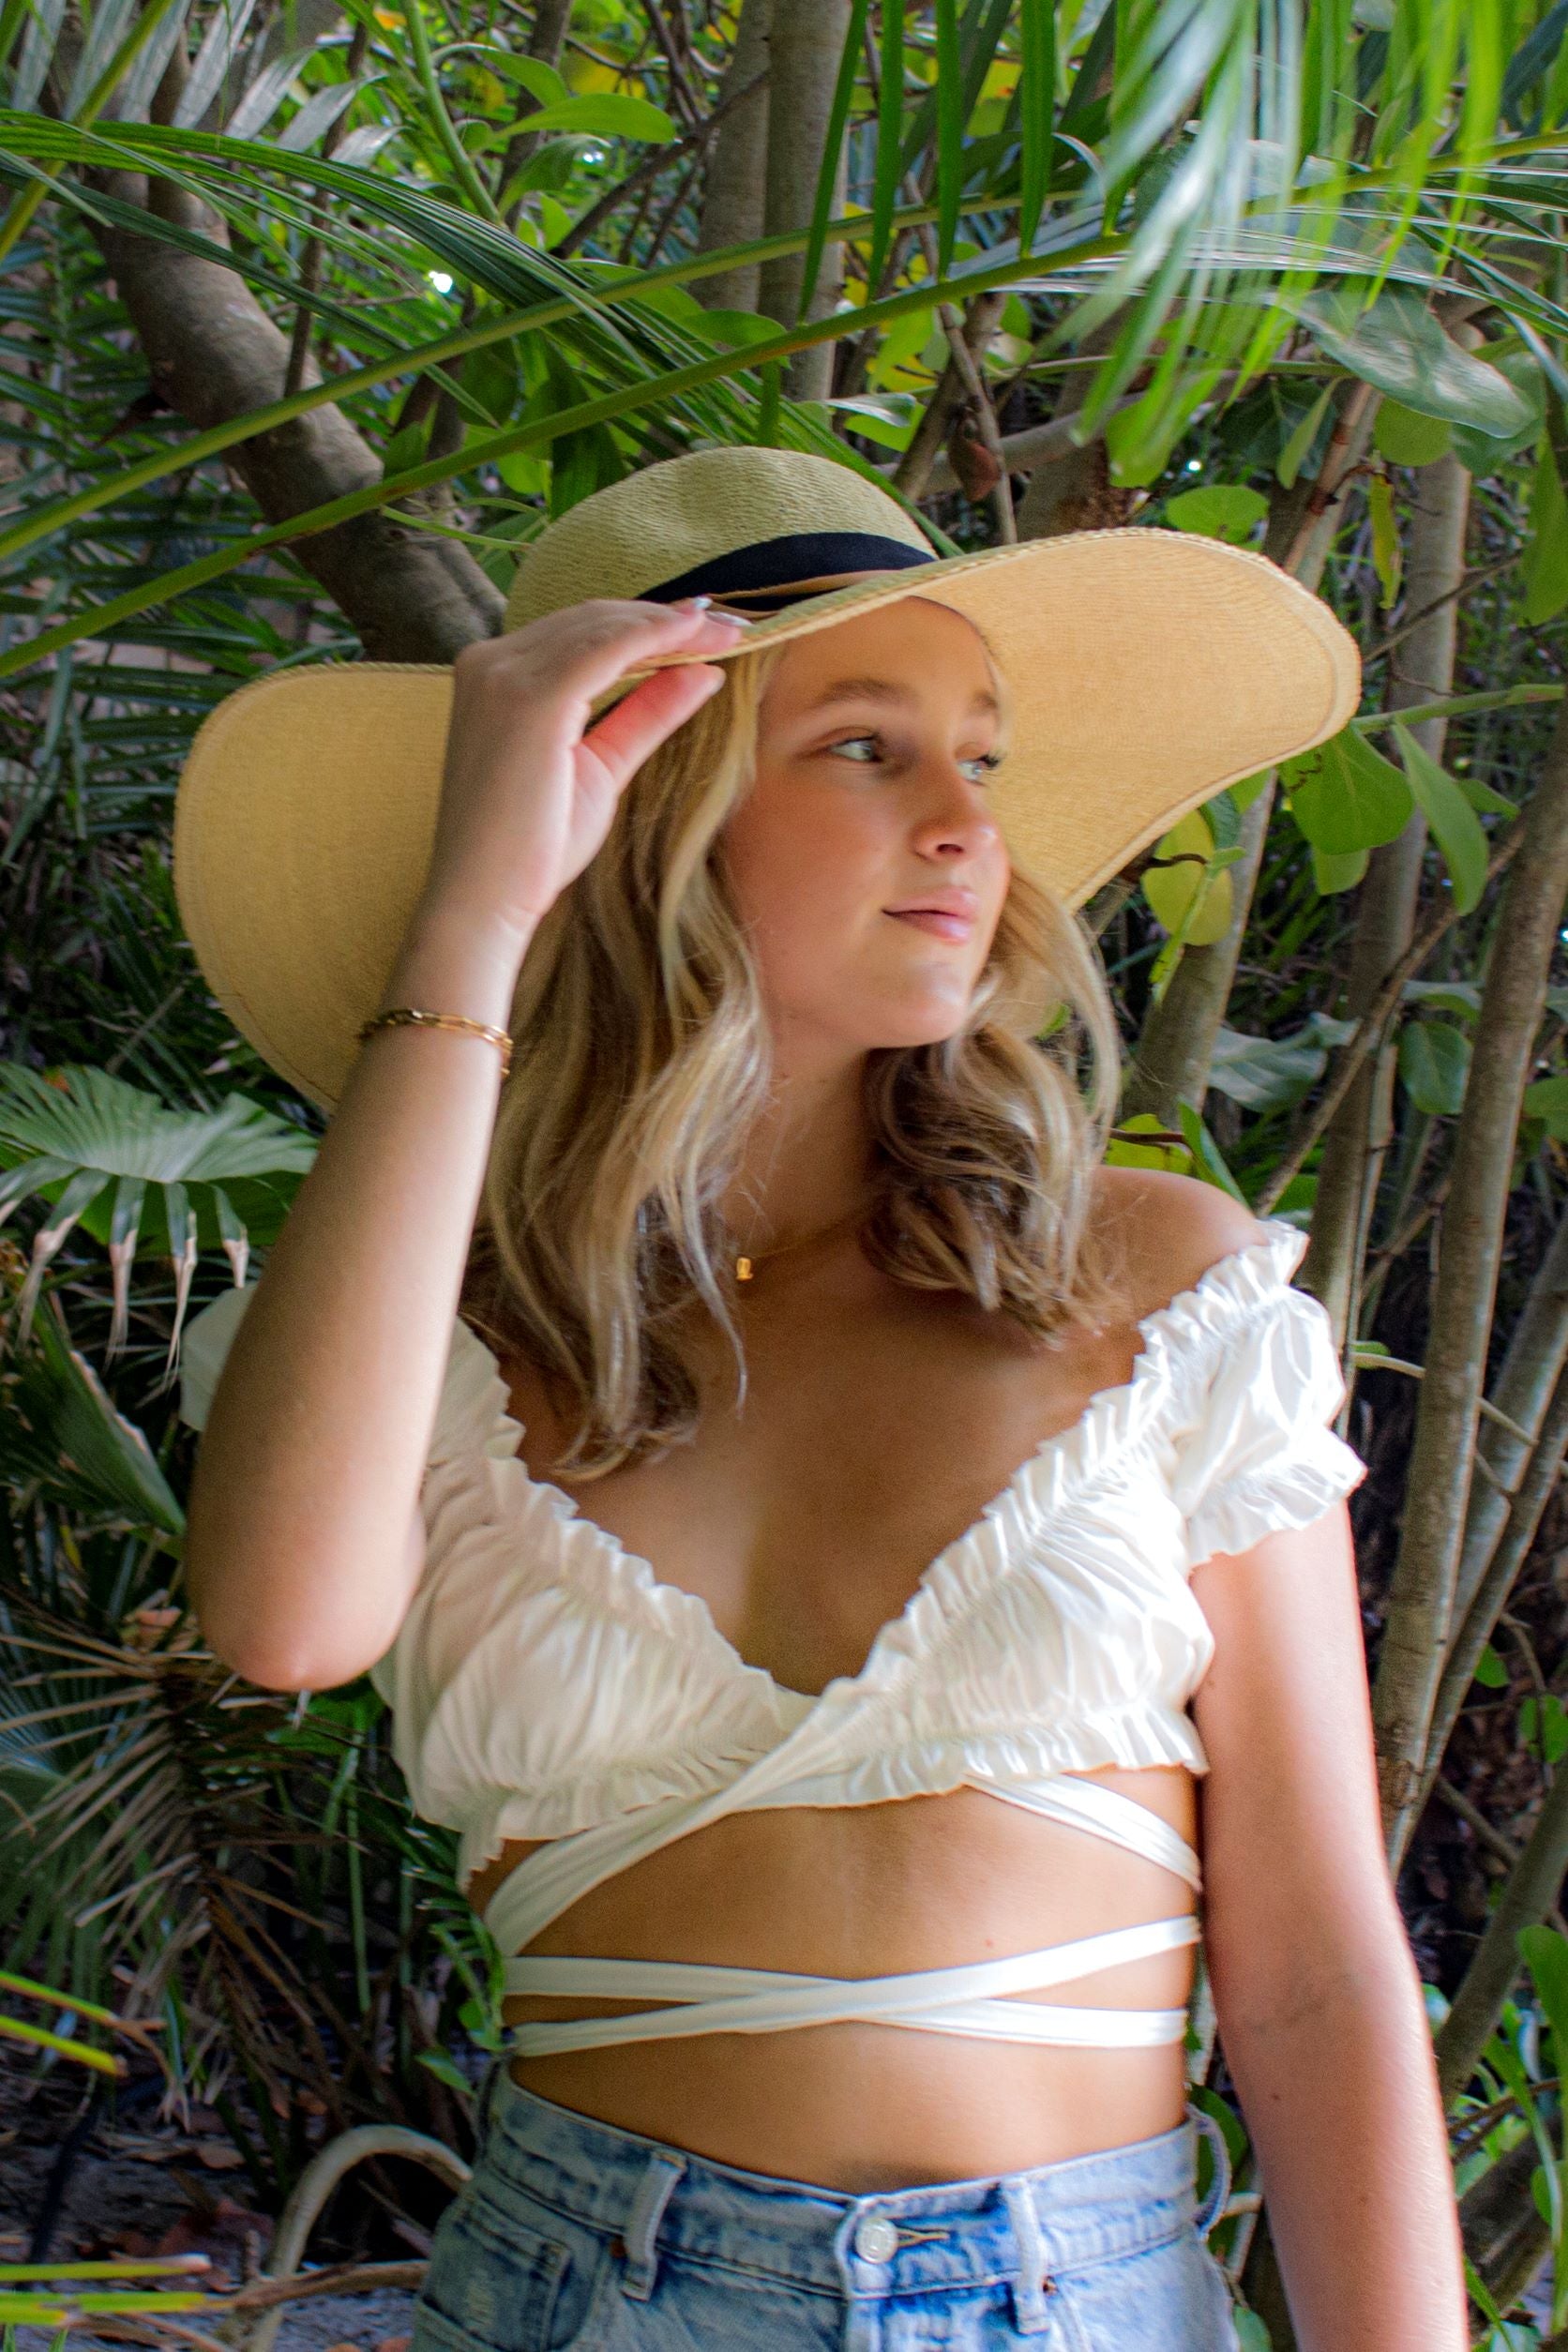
[741,620]
[696,604]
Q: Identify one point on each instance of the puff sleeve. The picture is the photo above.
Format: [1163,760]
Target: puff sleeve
[1261,1454]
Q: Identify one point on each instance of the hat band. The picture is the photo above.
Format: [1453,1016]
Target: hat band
[782,564]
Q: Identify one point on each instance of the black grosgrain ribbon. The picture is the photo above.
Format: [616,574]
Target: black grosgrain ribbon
[769,573]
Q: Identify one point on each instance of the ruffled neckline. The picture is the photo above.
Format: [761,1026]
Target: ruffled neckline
[1173,1358]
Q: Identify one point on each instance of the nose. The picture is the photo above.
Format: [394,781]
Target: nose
[955,817]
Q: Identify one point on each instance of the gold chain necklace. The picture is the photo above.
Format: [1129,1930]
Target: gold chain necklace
[746,1266]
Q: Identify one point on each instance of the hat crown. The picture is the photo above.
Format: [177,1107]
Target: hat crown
[674,518]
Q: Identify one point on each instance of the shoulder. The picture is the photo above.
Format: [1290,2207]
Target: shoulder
[1162,1233]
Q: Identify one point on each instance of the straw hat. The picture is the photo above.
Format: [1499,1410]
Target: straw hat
[1148,668]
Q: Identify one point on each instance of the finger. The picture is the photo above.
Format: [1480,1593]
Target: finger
[640,722]
[648,632]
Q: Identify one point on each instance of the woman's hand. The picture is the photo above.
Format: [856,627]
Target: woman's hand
[527,795]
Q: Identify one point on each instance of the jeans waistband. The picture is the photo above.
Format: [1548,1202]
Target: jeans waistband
[1029,2225]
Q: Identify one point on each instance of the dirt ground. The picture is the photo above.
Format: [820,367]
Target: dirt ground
[144,2187]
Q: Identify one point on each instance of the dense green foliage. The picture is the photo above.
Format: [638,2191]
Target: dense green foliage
[1296,273]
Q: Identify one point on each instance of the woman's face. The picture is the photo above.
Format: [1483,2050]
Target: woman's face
[875,744]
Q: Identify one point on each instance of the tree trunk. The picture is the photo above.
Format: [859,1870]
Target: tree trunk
[1536,1354]
[214,355]
[732,207]
[1420,668]
[1529,1892]
[1417,1628]
[545,42]
[1511,1549]
[806,41]
[1171,1060]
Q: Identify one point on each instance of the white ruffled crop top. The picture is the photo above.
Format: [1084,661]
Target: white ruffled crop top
[545,1685]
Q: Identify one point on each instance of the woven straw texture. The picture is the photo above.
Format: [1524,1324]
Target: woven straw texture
[1148,668]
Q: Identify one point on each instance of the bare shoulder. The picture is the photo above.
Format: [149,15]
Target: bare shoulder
[1162,1233]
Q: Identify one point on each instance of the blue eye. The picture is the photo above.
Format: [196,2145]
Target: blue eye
[850,744]
[986,763]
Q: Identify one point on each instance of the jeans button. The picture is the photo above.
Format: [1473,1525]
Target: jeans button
[876,2239]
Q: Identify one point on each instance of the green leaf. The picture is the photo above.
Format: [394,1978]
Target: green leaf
[1188,896]
[1445,996]
[1293,456]
[1483,800]
[601,114]
[1544,1727]
[1490,1672]
[890,116]
[1218,511]
[1347,797]
[445,2070]
[540,81]
[68,1424]
[1547,1100]
[1406,437]
[889,417]
[1544,1952]
[1456,827]
[1434,1064]
[1482,454]
[951,111]
[1207,1162]
[1037,112]
[1334,873]
[1546,569]
[1387,555]
[1124,1151]
[1271,1073]
[1398,346]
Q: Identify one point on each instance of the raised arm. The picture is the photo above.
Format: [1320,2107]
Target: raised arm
[304,1537]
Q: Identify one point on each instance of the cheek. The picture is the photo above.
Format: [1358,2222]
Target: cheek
[805,866]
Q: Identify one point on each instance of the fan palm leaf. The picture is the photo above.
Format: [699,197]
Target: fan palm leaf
[106,1155]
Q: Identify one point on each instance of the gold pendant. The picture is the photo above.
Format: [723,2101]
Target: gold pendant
[742,1270]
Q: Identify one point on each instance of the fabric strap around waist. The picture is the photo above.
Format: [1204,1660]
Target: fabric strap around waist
[967,2000]
[555,1877]
[941,2000]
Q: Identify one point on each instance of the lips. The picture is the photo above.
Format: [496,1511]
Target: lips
[950,927]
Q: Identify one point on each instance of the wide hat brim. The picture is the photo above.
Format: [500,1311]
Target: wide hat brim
[1148,668]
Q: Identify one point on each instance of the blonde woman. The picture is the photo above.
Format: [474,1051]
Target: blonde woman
[847,1524]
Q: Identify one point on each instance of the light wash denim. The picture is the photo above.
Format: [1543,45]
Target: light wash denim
[573,2236]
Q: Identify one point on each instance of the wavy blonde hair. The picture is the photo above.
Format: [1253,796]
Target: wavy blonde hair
[641,1057]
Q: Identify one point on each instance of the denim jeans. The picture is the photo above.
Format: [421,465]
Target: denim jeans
[574,2236]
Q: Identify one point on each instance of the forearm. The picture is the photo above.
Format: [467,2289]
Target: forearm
[306,1486]
[1339,2093]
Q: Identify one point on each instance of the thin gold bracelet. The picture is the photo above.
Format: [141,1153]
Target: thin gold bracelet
[405,1015]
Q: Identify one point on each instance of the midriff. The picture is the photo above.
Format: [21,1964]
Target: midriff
[925,1882]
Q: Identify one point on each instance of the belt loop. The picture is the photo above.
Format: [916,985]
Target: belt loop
[1214,2203]
[660,2175]
[1031,2286]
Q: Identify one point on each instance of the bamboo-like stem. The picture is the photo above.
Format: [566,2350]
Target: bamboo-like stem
[1537,1352]
[1506,1558]
[806,43]
[1417,1626]
[1175,1049]
[1368,1033]
[1527,1894]
[733,191]
[1386,912]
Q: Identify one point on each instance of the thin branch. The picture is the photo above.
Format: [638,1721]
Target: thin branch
[650,169]
[1369,1030]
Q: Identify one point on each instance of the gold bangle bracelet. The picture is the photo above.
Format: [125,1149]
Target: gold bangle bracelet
[405,1016]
